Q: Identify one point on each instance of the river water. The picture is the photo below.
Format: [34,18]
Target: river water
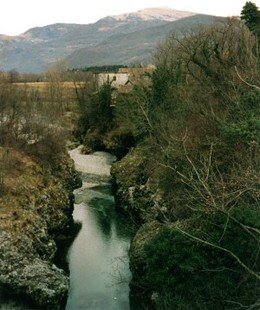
[98,257]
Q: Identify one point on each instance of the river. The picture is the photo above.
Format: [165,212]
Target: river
[98,257]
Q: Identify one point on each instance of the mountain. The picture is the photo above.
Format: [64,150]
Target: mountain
[135,47]
[122,38]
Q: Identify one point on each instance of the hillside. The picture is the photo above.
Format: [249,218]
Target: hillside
[134,47]
[39,48]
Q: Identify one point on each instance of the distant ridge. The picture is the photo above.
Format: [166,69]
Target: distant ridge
[125,38]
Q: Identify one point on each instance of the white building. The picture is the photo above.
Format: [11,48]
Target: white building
[117,79]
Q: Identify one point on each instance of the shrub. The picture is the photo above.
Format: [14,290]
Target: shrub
[192,275]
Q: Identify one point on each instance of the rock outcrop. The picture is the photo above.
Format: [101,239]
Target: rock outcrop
[141,295]
[35,209]
[139,197]
[24,271]
[135,194]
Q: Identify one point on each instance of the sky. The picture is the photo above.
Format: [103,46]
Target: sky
[17,16]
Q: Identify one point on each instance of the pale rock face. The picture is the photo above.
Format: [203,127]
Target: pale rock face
[166,14]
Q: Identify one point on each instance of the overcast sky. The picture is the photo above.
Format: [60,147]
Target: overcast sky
[17,16]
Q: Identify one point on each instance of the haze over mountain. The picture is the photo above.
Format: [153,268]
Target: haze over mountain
[125,39]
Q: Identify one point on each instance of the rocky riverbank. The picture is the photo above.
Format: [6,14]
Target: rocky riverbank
[169,259]
[136,195]
[135,192]
[35,209]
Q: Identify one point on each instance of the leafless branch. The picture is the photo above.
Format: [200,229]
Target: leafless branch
[238,260]
[244,81]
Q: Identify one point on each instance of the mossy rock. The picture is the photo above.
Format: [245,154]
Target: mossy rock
[131,170]
[130,177]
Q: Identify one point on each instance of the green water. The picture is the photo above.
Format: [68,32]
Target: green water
[98,257]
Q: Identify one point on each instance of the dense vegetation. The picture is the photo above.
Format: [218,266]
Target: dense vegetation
[100,69]
[197,124]
[98,127]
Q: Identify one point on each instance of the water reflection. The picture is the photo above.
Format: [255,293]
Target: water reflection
[63,246]
[98,258]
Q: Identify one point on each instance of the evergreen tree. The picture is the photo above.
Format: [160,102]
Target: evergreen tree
[251,15]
